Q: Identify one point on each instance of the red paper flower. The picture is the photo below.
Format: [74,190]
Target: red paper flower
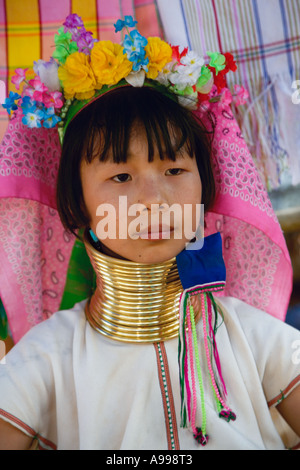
[230,63]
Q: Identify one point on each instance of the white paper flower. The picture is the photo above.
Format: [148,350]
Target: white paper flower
[187,74]
[192,59]
[184,76]
[47,71]
[164,75]
[136,79]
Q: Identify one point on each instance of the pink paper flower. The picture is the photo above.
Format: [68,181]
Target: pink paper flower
[53,99]
[37,84]
[240,95]
[226,97]
[28,91]
[19,77]
[40,90]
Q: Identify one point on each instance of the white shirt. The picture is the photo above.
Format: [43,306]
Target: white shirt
[76,389]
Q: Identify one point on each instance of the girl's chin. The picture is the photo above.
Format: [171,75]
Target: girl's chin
[151,251]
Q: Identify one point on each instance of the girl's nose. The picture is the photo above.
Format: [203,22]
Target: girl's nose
[152,193]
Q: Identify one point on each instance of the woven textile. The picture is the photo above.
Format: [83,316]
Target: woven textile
[27,29]
[264,37]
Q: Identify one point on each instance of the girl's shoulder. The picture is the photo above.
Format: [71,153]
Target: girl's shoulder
[236,310]
[56,334]
[263,332]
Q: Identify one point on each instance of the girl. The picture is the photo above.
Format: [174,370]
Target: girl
[104,375]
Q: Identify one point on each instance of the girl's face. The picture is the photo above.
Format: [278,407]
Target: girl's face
[142,211]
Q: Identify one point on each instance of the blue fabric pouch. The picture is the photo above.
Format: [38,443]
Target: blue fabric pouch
[204,265]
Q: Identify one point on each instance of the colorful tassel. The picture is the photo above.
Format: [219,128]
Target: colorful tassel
[228,415]
[194,346]
[191,370]
[200,437]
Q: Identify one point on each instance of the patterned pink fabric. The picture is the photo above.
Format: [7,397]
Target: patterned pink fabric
[35,250]
[29,163]
[257,260]
[34,247]
[34,255]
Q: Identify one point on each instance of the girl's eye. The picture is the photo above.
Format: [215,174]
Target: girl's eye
[122,178]
[174,171]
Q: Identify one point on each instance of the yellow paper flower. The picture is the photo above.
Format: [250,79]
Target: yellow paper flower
[109,63]
[159,54]
[77,77]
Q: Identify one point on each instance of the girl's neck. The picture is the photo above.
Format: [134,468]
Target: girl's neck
[134,302]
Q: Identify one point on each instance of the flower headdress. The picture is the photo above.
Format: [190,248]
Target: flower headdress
[82,68]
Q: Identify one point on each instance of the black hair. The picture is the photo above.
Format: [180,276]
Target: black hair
[110,120]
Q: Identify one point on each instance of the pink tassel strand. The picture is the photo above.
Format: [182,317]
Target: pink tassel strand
[192,370]
[188,390]
[215,349]
[226,412]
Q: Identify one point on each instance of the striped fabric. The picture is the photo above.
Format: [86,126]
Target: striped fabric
[27,29]
[264,36]
[167,396]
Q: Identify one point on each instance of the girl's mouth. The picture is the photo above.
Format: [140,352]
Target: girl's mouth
[156,232]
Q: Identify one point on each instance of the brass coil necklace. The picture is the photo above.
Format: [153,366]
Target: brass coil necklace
[134,302]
